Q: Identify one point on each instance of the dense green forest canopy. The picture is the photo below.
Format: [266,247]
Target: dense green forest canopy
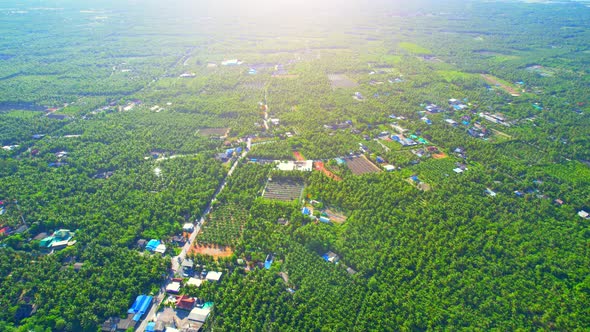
[123,121]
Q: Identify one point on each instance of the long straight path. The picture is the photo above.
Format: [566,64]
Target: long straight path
[177,260]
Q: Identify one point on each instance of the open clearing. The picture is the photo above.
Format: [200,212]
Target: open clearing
[497,132]
[341,81]
[441,155]
[335,217]
[283,189]
[496,81]
[213,132]
[414,48]
[361,165]
[213,250]
[320,167]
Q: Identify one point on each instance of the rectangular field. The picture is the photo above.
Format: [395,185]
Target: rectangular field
[283,189]
[218,132]
[361,165]
[503,84]
[341,81]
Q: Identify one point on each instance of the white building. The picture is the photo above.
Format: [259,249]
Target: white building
[304,166]
[188,227]
[213,276]
[199,314]
[194,282]
[161,249]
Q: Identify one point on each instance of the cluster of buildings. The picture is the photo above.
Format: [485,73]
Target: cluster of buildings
[137,310]
[307,212]
[433,109]
[155,246]
[232,62]
[478,131]
[495,118]
[343,125]
[10,147]
[457,105]
[289,165]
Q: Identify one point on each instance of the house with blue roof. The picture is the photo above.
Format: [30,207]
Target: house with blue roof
[140,306]
[268,261]
[305,211]
[152,244]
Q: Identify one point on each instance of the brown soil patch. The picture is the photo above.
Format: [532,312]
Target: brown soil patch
[298,156]
[441,155]
[320,167]
[214,251]
[335,217]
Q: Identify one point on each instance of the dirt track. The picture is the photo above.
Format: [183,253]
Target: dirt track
[492,80]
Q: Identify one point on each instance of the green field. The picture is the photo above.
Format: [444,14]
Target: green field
[414,48]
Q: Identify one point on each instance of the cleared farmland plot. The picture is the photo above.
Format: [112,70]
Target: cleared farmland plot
[341,81]
[360,165]
[283,189]
[213,131]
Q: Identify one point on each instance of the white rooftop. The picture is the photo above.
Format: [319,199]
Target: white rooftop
[389,168]
[199,314]
[583,214]
[213,276]
[306,165]
[173,287]
[194,282]
[161,249]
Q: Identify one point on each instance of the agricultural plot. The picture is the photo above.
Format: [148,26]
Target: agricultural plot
[217,132]
[341,81]
[224,225]
[213,250]
[335,216]
[283,189]
[435,170]
[503,84]
[361,165]
[414,48]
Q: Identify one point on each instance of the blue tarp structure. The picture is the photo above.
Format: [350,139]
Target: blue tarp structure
[324,219]
[268,262]
[239,150]
[306,211]
[151,327]
[140,306]
[152,244]
[326,257]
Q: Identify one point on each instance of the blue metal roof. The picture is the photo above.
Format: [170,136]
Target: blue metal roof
[152,244]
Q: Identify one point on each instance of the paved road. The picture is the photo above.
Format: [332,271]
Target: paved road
[177,260]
